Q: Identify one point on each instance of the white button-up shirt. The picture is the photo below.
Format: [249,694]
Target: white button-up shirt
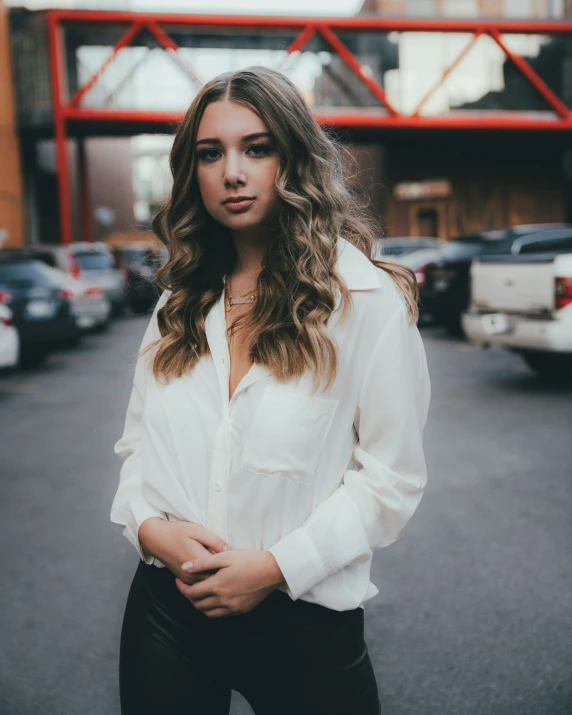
[318,480]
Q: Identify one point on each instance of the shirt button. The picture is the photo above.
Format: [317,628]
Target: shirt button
[216,486]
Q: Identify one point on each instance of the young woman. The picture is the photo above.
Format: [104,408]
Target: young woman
[273,436]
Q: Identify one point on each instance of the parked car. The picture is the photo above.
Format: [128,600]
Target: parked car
[92,262]
[447,289]
[419,261]
[139,263]
[41,313]
[399,247]
[9,338]
[89,304]
[523,303]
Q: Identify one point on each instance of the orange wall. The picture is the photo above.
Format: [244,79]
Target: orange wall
[11,194]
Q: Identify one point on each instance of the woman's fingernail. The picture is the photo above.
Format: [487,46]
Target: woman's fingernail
[187,566]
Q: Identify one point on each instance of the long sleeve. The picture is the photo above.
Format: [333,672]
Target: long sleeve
[129,508]
[373,503]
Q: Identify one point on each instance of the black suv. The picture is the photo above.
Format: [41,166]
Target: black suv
[41,312]
[447,290]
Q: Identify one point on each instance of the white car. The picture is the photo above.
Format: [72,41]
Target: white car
[9,338]
[524,304]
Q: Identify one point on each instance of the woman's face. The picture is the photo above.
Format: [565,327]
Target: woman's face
[236,158]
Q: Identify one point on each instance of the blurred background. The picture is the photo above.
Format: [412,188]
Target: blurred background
[458,118]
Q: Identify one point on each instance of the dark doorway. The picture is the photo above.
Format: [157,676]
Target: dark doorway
[428,222]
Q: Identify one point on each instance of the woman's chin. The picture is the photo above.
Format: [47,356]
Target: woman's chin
[244,222]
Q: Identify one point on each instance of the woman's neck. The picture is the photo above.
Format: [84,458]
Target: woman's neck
[250,250]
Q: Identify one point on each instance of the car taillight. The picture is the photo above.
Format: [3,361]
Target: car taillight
[563,292]
[93,291]
[67,293]
[5,297]
[6,321]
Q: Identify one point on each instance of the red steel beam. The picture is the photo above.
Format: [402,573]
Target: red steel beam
[357,24]
[497,121]
[122,115]
[358,119]
[390,119]
[299,43]
[150,20]
[532,77]
[356,66]
[446,73]
[126,39]
[171,46]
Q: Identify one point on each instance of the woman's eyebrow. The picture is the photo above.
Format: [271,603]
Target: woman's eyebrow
[248,137]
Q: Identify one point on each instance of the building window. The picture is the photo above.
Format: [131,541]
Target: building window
[519,8]
[420,8]
[460,8]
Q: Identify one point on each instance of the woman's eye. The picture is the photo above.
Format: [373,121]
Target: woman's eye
[260,149]
[207,154]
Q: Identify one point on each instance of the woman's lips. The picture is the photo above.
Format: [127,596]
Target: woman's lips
[237,206]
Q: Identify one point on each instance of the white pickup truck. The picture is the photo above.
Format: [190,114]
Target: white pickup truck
[524,304]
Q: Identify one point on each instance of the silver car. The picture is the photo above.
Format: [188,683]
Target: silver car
[92,262]
[88,304]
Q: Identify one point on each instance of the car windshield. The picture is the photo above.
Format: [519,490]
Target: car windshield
[59,277]
[418,259]
[395,249]
[460,250]
[499,247]
[549,245]
[132,255]
[24,272]
[94,260]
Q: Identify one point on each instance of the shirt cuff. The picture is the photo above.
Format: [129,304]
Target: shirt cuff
[299,562]
[332,537]
[141,510]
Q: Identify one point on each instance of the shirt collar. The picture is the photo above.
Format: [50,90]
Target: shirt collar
[353,266]
[357,271]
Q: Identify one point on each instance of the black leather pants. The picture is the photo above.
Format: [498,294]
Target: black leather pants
[285,657]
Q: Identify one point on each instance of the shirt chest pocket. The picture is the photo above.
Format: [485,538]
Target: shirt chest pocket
[287,434]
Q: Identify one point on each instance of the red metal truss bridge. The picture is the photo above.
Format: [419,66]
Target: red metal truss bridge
[70,109]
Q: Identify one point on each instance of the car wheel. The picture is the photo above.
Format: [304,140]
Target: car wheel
[71,342]
[102,327]
[550,366]
[454,327]
[33,356]
[118,309]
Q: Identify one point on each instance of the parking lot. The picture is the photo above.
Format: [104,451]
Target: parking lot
[473,615]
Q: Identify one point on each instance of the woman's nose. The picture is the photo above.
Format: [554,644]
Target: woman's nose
[233,170]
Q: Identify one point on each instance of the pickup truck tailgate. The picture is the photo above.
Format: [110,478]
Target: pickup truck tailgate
[524,288]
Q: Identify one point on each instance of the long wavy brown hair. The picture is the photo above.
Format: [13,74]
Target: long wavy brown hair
[296,287]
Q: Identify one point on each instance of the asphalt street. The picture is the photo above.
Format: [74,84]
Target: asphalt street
[474,614]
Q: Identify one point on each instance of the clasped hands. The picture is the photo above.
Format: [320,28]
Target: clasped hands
[227,582]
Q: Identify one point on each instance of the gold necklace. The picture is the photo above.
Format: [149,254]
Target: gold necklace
[235,301]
